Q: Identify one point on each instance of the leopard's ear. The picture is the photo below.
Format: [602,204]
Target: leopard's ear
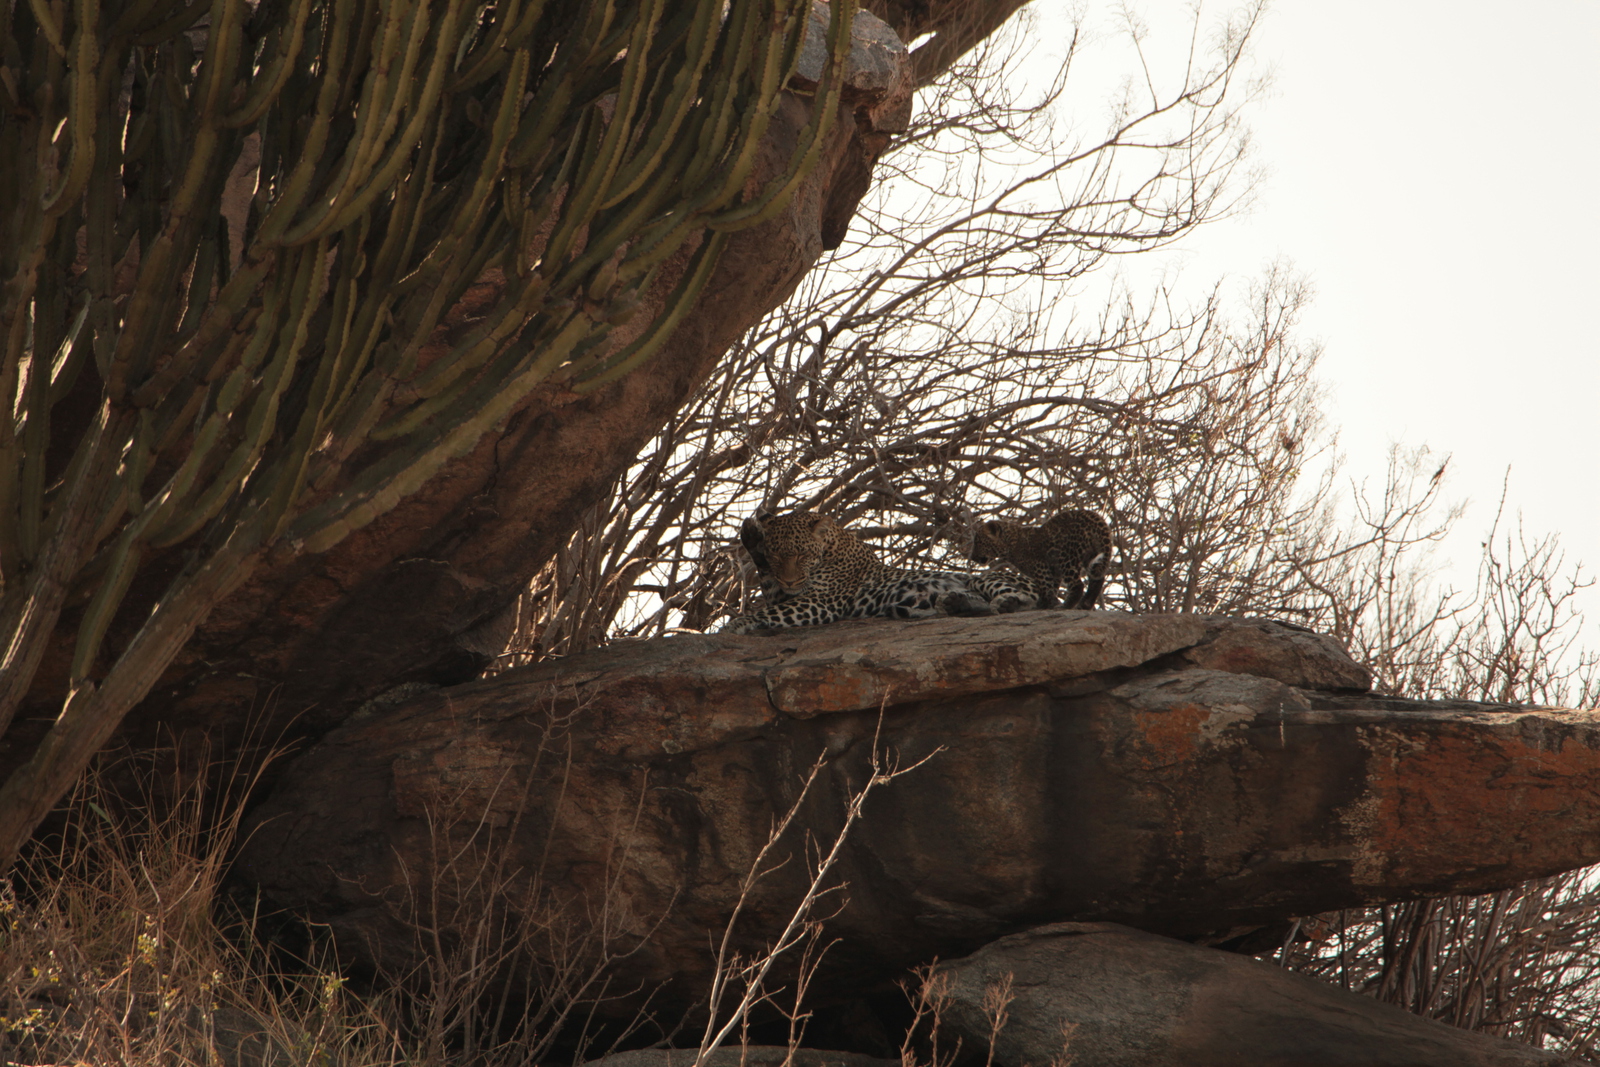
[820,521]
[993,526]
[762,518]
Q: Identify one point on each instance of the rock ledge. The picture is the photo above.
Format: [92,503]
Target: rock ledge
[1085,766]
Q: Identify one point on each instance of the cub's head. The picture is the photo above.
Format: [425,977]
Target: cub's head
[789,547]
[991,541]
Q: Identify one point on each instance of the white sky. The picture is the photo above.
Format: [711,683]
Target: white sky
[1434,169]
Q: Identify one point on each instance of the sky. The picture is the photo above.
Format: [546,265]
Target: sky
[1434,170]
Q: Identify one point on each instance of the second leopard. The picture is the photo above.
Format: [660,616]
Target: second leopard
[1072,545]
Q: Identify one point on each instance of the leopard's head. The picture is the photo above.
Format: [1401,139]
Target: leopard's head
[992,541]
[789,547]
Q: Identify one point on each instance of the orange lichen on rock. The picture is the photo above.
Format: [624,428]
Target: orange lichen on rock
[1491,791]
[1170,736]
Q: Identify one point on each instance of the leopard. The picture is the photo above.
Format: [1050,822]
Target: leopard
[1073,544]
[815,570]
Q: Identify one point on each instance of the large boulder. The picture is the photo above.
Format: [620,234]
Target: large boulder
[1115,997]
[1080,766]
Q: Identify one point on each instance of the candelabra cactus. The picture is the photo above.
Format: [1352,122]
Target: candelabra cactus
[231,235]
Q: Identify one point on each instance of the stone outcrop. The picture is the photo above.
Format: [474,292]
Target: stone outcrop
[1134,999]
[1080,766]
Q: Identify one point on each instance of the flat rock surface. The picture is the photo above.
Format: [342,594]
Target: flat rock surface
[1078,767]
[833,669]
[1139,1000]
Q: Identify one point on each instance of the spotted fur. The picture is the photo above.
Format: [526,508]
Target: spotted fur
[1072,545]
[816,571]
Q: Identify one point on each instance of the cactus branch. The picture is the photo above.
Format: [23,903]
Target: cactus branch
[242,236]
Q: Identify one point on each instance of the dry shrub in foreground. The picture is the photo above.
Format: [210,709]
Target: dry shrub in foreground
[114,952]
[503,964]
[927,1042]
[118,945]
[745,983]
[928,991]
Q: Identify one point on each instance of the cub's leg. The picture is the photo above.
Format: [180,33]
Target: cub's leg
[1097,580]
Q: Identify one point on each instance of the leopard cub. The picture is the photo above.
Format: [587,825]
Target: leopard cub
[1072,545]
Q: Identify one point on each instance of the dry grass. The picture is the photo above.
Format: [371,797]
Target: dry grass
[928,990]
[928,1043]
[118,947]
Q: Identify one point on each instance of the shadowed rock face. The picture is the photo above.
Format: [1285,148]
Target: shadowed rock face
[1139,1000]
[1082,766]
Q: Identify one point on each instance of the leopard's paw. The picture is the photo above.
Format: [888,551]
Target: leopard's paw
[962,602]
[1006,603]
